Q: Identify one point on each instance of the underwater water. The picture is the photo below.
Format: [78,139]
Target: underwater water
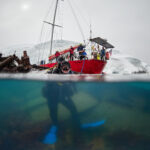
[42,115]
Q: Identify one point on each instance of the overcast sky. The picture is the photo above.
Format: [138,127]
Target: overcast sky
[124,23]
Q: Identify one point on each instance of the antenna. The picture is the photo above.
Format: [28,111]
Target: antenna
[90,31]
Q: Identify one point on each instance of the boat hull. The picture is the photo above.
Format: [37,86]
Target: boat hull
[88,66]
[84,66]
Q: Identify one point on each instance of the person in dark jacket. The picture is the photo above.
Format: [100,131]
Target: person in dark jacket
[103,53]
[81,50]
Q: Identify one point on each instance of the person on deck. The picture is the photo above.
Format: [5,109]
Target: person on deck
[98,48]
[103,53]
[107,55]
[80,49]
[84,55]
[71,53]
[57,54]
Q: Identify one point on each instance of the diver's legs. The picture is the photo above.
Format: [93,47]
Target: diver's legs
[51,136]
[53,108]
[67,102]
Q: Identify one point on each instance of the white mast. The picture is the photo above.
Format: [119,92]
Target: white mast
[53,26]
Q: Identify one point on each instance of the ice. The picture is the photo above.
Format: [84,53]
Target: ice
[119,63]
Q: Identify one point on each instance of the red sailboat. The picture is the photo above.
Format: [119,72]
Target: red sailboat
[90,66]
[85,66]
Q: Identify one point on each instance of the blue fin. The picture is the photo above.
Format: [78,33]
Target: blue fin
[51,137]
[94,124]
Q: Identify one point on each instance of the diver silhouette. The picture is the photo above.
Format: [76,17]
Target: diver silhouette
[56,93]
[61,92]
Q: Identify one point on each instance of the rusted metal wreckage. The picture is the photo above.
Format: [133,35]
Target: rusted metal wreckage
[12,64]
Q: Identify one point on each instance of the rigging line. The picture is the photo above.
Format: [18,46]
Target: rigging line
[56,33]
[74,14]
[82,15]
[60,19]
[40,38]
[82,66]
[50,8]
[47,35]
[43,44]
[62,14]
[87,22]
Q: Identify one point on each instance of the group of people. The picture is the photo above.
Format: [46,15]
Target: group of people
[97,53]
[8,64]
[100,54]
[80,49]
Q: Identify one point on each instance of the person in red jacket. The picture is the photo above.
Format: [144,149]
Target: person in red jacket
[57,54]
[71,53]
[107,55]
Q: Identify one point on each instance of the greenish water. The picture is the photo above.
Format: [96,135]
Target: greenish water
[28,109]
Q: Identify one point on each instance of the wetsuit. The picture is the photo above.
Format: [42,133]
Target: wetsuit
[56,93]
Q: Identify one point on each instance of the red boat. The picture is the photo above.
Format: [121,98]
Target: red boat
[85,66]
[80,66]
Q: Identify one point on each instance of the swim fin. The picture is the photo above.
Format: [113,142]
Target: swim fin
[51,137]
[93,124]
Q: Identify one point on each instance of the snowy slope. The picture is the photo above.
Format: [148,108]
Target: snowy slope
[39,51]
[118,64]
[125,64]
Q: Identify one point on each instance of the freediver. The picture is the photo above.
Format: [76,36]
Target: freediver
[62,92]
[56,93]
